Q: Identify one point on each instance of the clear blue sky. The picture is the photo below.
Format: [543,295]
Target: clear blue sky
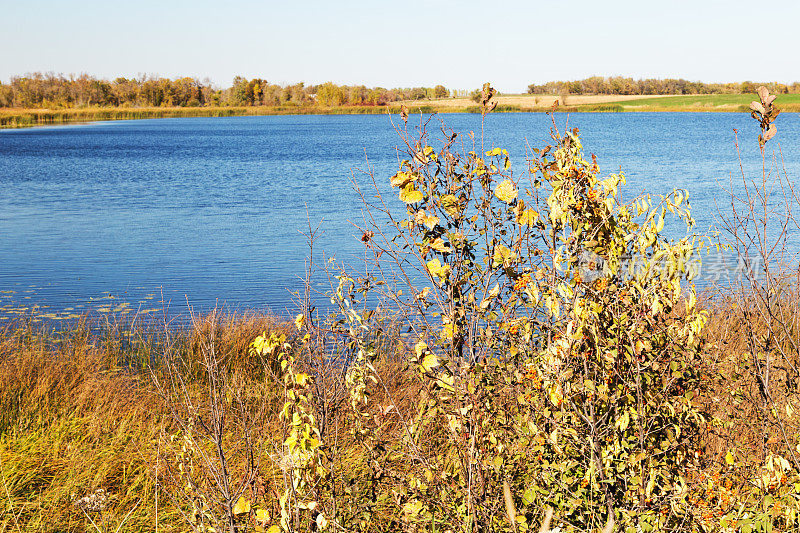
[403,43]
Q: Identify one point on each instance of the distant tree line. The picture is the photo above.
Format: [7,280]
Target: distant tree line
[40,90]
[621,85]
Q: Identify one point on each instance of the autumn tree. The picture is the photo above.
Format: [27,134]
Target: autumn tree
[330,94]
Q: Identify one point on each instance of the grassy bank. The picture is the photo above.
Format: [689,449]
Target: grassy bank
[80,412]
[20,118]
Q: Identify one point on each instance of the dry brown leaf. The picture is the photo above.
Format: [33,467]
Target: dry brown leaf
[763,93]
[770,133]
[757,106]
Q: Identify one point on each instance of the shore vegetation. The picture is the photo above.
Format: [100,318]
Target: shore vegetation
[46,99]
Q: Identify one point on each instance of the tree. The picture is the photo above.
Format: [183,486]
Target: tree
[330,94]
[239,93]
[6,96]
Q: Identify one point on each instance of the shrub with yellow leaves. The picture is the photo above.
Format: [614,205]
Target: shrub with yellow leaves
[556,341]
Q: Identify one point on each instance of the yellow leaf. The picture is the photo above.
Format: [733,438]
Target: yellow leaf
[556,397]
[430,221]
[445,381]
[262,516]
[552,306]
[503,256]
[623,421]
[420,348]
[528,217]
[495,291]
[496,151]
[729,458]
[692,301]
[451,205]
[429,362]
[437,269]
[506,191]
[401,179]
[411,509]
[299,321]
[439,245]
[242,506]
[448,331]
[410,195]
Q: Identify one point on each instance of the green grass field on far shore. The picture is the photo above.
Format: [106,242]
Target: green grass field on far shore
[708,102]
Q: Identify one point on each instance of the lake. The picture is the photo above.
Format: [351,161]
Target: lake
[110,216]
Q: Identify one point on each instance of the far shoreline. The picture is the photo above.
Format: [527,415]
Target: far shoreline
[12,118]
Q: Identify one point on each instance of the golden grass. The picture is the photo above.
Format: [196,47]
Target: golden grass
[79,412]
[73,421]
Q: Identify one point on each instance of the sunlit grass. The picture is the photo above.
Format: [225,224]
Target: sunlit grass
[78,412]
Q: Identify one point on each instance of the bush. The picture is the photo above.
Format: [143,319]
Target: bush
[555,349]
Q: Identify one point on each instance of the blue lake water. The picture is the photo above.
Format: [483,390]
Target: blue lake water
[112,215]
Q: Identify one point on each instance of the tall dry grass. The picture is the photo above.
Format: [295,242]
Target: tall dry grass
[79,412]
